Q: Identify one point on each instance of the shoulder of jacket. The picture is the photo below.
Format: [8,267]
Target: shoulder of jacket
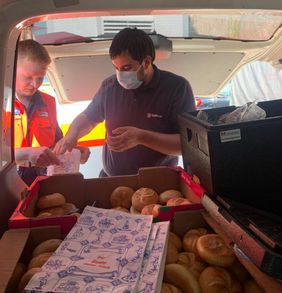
[47,96]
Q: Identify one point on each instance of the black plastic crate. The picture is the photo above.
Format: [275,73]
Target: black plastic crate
[241,161]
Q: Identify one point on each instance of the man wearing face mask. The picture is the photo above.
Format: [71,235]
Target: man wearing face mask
[139,104]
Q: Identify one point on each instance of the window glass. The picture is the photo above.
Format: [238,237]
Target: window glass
[257,81]
[241,25]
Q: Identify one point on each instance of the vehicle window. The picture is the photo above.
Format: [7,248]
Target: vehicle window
[243,25]
[256,81]
[6,151]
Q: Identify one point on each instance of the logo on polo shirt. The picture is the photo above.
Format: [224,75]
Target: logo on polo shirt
[153,115]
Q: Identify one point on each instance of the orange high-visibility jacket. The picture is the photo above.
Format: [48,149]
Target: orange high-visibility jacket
[37,125]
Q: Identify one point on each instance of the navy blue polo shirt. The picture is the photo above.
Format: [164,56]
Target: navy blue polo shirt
[153,107]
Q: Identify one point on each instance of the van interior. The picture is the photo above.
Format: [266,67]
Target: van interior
[207,42]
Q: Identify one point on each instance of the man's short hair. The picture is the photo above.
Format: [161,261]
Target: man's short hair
[33,51]
[134,41]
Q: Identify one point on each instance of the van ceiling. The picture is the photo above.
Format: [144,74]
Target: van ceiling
[78,78]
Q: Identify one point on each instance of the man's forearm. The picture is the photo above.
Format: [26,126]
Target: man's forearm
[80,126]
[168,144]
[22,154]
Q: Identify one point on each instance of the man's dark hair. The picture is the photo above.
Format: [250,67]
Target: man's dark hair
[134,41]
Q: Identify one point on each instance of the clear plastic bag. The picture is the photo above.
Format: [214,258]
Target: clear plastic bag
[202,115]
[247,112]
[69,163]
[253,112]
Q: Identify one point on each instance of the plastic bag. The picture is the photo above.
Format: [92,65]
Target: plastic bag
[69,163]
[202,115]
[253,112]
[247,112]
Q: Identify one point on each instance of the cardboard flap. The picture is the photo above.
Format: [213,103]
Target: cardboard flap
[167,178]
[97,191]
[11,247]
[186,220]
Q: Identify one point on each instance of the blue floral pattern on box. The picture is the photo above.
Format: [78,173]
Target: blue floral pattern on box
[103,252]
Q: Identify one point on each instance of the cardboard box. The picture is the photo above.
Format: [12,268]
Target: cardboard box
[97,191]
[17,246]
[186,220]
[261,250]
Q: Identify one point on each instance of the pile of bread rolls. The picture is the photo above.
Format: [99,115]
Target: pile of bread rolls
[145,201]
[23,273]
[201,262]
[54,204]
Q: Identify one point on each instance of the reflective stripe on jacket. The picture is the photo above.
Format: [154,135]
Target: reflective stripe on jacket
[36,126]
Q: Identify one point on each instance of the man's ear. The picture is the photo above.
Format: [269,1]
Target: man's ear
[147,62]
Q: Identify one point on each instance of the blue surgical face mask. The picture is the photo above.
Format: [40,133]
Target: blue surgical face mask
[128,79]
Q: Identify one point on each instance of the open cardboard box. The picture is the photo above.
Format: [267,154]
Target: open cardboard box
[97,191]
[16,246]
[183,221]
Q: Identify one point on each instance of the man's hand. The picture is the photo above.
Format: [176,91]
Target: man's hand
[124,138]
[65,144]
[42,157]
[84,153]
[128,137]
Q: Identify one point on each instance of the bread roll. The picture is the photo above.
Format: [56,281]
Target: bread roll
[134,211]
[151,209]
[172,254]
[69,207]
[168,194]
[178,201]
[121,209]
[190,238]
[49,245]
[121,197]
[175,240]
[155,210]
[39,260]
[182,278]
[169,288]
[213,250]
[218,280]
[144,196]
[42,215]
[26,278]
[191,262]
[55,211]
[50,200]
[251,286]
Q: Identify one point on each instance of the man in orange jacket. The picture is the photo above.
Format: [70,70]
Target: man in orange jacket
[34,111]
